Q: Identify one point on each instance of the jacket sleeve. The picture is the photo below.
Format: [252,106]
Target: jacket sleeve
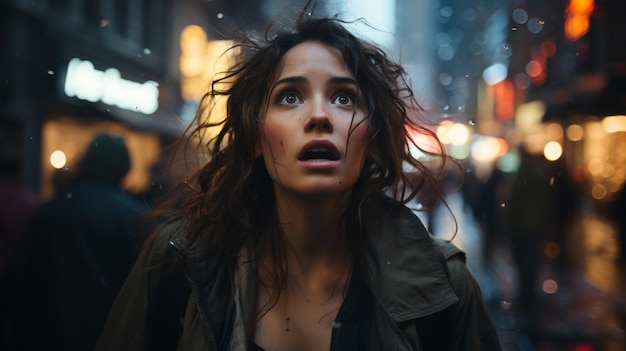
[128,323]
[471,325]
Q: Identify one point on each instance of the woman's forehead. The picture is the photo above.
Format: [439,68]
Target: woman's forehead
[310,56]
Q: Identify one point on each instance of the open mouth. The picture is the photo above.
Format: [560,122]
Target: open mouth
[319,154]
[324,151]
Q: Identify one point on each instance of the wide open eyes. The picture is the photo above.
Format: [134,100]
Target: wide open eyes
[289,98]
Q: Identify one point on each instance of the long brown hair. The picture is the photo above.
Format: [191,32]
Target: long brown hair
[228,203]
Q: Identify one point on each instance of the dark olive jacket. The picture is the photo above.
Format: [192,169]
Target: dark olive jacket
[424,296]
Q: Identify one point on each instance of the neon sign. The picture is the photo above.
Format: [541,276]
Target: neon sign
[85,82]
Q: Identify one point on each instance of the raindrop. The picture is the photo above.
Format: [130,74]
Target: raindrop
[503,205]
[69,195]
[104,23]
[467,75]
[514,29]
[147,51]
[388,262]
[336,324]
[445,53]
[108,110]
[220,15]
[506,305]
[445,79]
[520,16]
[446,11]
[505,47]
[535,25]
[50,72]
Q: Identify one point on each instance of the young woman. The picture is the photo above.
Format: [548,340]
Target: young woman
[295,234]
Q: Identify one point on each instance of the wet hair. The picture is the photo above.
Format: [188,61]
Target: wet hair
[228,202]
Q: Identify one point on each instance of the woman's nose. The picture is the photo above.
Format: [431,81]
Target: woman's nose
[318,119]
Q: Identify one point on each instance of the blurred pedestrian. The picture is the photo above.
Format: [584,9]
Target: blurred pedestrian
[75,254]
[531,221]
[295,235]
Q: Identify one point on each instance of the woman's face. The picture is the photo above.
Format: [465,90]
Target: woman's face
[314,133]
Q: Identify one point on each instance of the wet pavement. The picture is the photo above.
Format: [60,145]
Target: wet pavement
[581,303]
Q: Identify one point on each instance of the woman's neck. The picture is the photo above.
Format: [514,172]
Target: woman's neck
[314,232]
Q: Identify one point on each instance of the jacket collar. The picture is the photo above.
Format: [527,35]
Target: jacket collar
[407,273]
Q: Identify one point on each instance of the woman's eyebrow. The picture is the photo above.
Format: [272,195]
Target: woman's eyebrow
[343,80]
[294,79]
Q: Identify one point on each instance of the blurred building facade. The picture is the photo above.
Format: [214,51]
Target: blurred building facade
[71,69]
[498,74]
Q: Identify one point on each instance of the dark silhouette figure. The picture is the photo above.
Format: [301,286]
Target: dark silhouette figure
[490,212]
[531,211]
[75,255]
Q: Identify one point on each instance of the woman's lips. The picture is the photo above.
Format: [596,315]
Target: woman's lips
[319,150]
[319,155]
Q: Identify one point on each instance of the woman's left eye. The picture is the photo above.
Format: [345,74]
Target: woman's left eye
[344,99]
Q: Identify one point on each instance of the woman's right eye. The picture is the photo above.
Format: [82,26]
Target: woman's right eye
[290,99]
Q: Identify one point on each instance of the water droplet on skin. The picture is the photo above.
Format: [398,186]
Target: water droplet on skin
[220,15]
[513,29]
[336,324]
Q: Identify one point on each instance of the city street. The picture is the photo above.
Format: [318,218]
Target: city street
[582,305]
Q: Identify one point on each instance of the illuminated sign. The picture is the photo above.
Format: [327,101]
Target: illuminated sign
[85,82]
